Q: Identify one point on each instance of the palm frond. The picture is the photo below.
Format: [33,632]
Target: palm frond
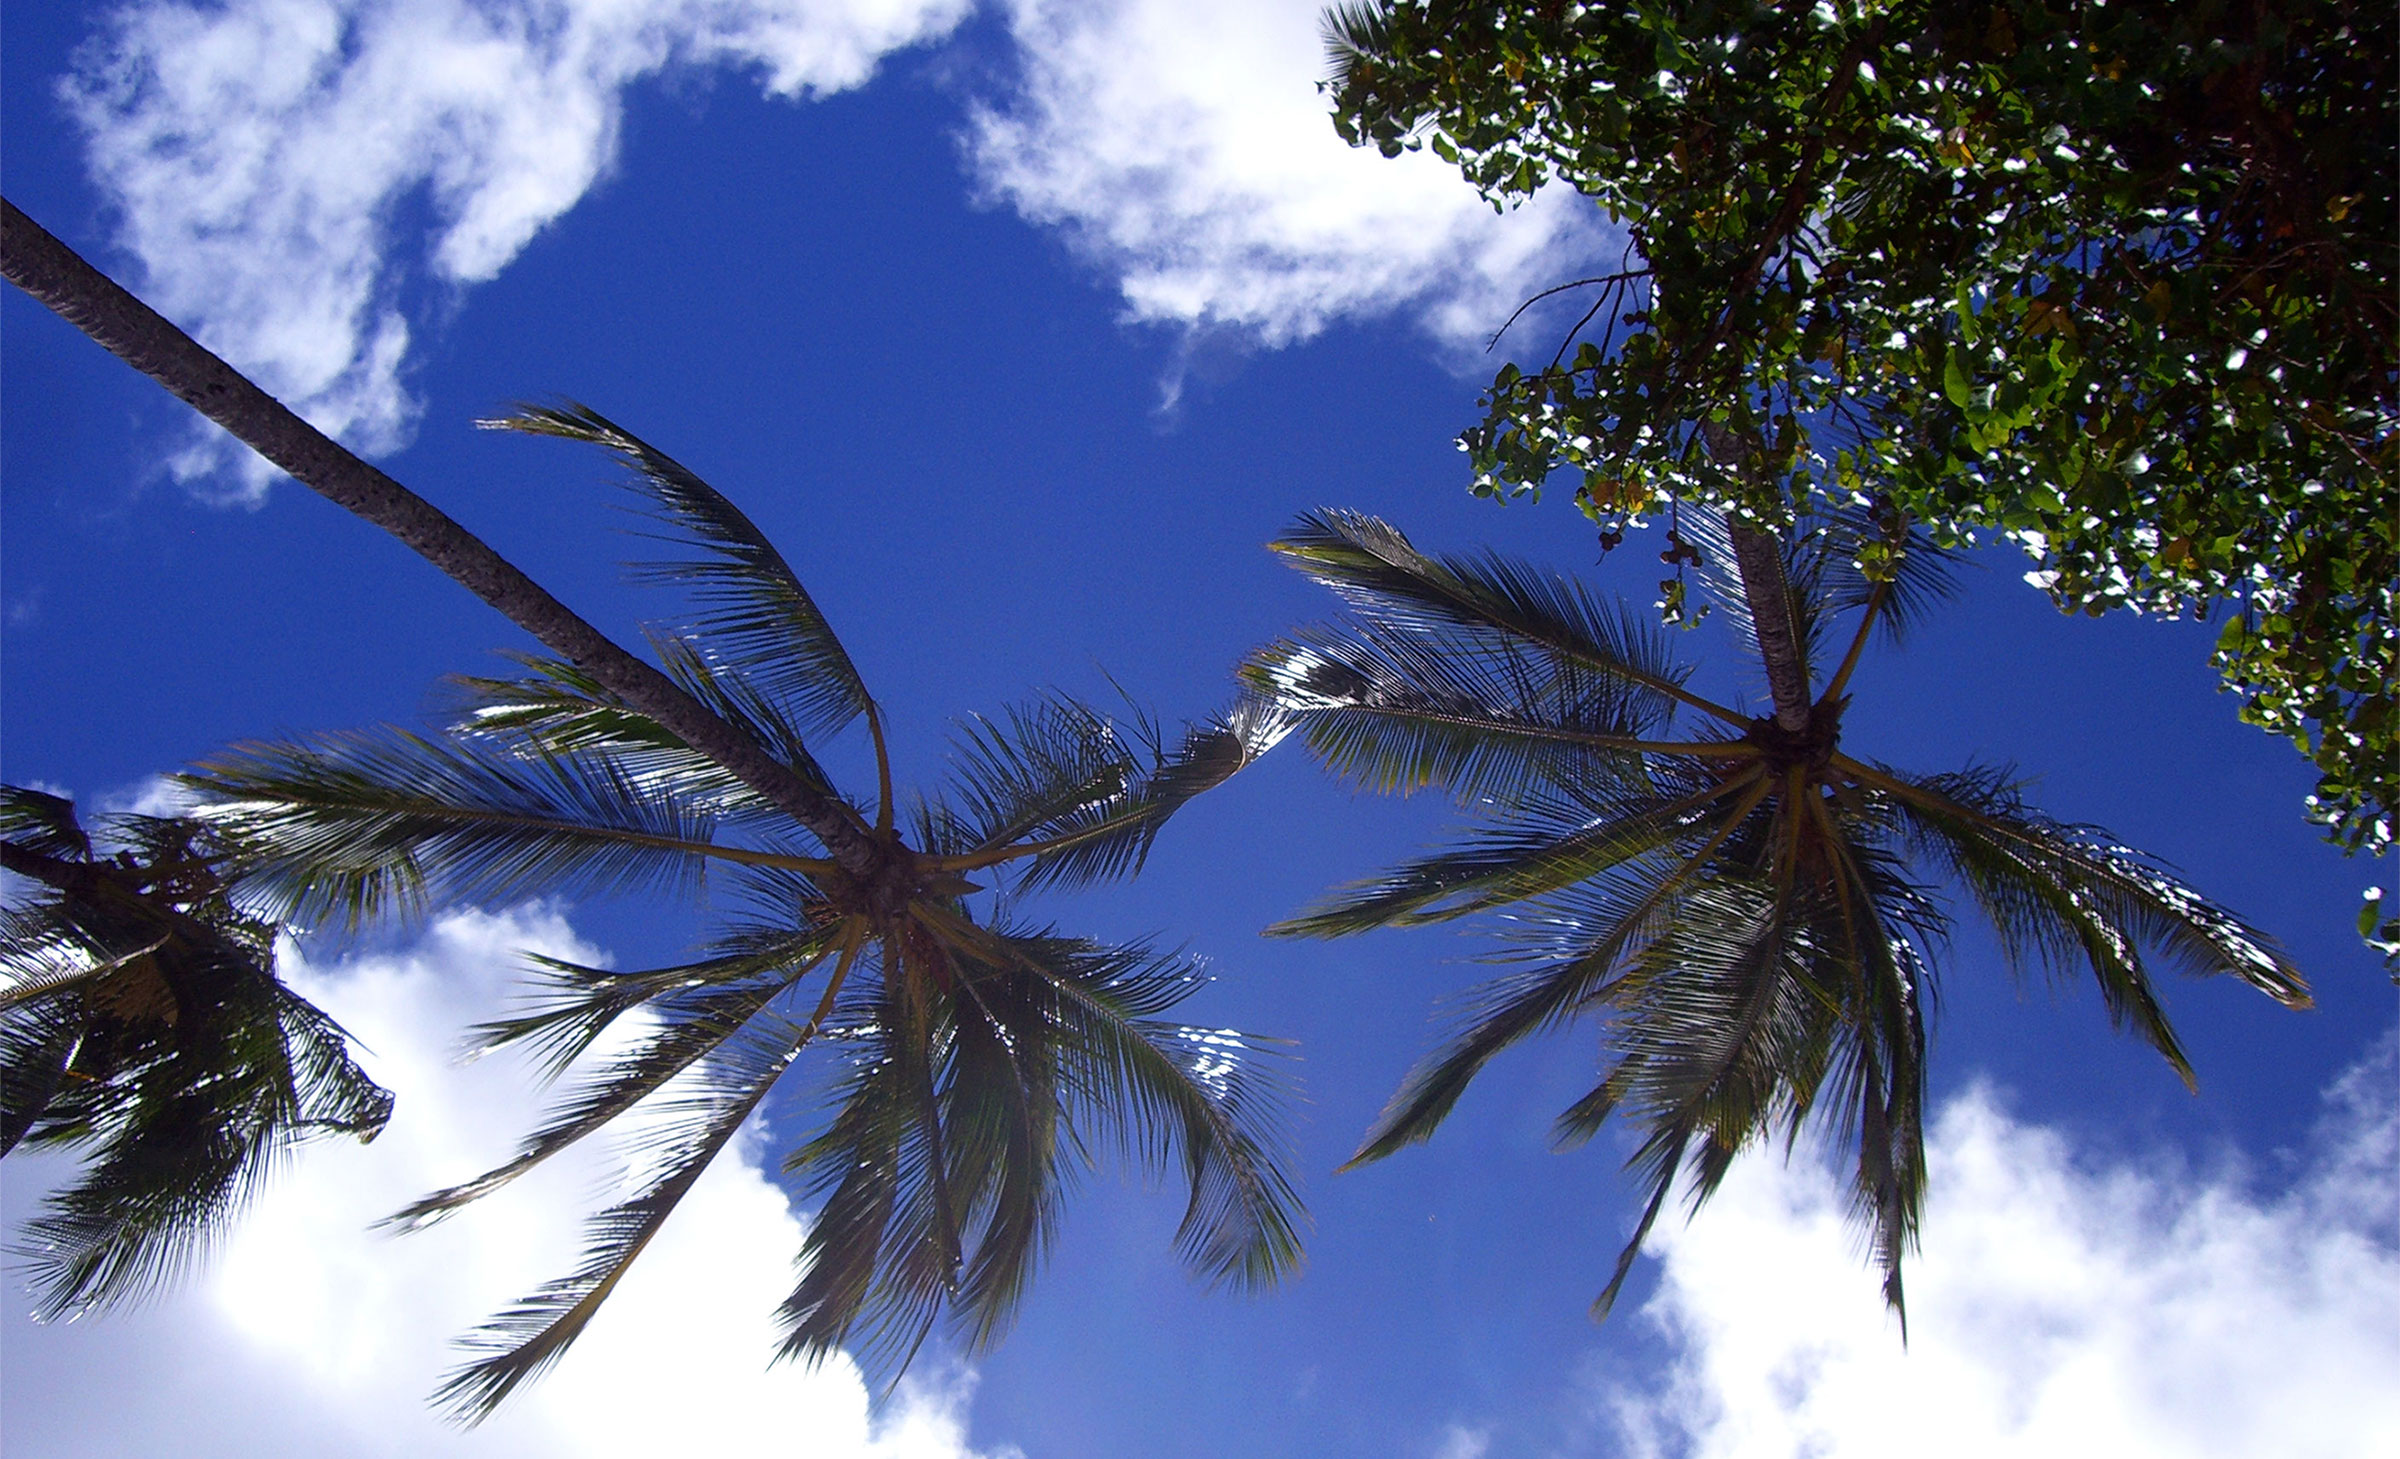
[2060,895]
[1356,33]
[942,1170]
[1061,791]
[1701,1040]
[1506,863]
[144,1029]
[1490,601]
[693,1129]
[1619,916]
[701,1015]
[858,1167]
[1924,577]
[1821,554]
[1037,768]
[180,1109]
[38,1042]
[753,611]
[1176,1091]
[570,1005]
[1395,711]
[47,968]
[40,821]
[354,826]
[555,709]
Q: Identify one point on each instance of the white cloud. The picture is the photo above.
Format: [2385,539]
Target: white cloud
[2057,1309]
[257,154]
[311,1335]
[152,795]
[1461,1442]
[291,177]
[1185,148]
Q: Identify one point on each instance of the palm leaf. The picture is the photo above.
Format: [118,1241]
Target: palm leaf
[572,1005]
[2061,894]
[1511,862]
[702,1017]
[1175,1091]
[1060,790]
[940,1173]
[179,1121]
[144,1028]
[357,825]
[556,709]
[40,821]
[693,1130]
[1490,601]
[1398,710]
[752,609]
[1354,33]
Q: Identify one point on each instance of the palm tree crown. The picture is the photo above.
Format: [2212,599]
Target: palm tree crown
[141,1021]
[1749,909]
[974,1058]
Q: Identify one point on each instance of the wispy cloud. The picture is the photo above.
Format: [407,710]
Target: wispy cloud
[313,1336]
[1461,1442]
[257,155]
[304,183]
[2058,1307]
[1186,151]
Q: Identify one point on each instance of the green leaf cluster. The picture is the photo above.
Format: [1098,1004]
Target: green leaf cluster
[2114,279]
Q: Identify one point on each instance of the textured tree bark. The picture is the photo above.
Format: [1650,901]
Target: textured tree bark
[47,269]
[1758,557]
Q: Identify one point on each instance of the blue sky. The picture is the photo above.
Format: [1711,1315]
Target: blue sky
[1022,328]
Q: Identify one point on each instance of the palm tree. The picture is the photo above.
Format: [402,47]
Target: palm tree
[598,768]
[974,1057]
[141,1022]
[1747,909]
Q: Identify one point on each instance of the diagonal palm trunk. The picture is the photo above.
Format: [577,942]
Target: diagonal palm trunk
[56,275]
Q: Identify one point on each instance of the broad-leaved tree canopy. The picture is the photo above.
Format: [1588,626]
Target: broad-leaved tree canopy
[2113,277]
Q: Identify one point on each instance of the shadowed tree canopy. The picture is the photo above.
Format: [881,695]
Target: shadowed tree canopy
[142,1026]
[2114,277]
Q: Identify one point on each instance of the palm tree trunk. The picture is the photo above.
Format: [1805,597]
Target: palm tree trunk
[1758,559]
[47,269]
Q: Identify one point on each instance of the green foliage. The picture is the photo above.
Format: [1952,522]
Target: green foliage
[2115,279]
[973,1063]
[142,1025]
[1747,911]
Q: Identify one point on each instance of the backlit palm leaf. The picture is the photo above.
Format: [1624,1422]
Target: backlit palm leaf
[356,826]
[753,611]
[1492,605]
[1074,797]
[1051,1046]
[689,1130]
